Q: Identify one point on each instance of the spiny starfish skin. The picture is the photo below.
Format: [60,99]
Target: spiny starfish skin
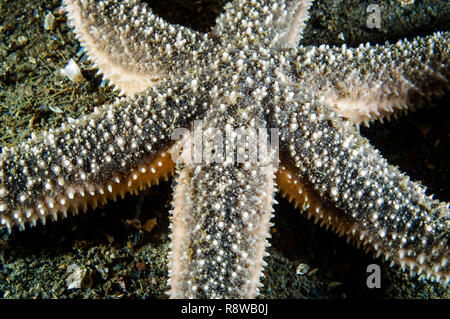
[252,79]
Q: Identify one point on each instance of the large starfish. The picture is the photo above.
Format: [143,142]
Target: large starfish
[256,79]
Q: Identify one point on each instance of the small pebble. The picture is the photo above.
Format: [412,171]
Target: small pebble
[49,21]
[75,275]
[72,71]
[302,269]
[79,278]
[22,40]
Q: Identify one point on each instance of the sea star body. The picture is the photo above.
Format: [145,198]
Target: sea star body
[325,165]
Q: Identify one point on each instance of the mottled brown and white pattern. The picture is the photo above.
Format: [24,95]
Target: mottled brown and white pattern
[248,72]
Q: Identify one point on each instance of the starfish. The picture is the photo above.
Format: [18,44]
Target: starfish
[247,73]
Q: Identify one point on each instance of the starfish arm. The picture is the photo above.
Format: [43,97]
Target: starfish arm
[220,225]
[118,148]
[330,169]
[222,204]
[132,47]
[373,82]
[266,23]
